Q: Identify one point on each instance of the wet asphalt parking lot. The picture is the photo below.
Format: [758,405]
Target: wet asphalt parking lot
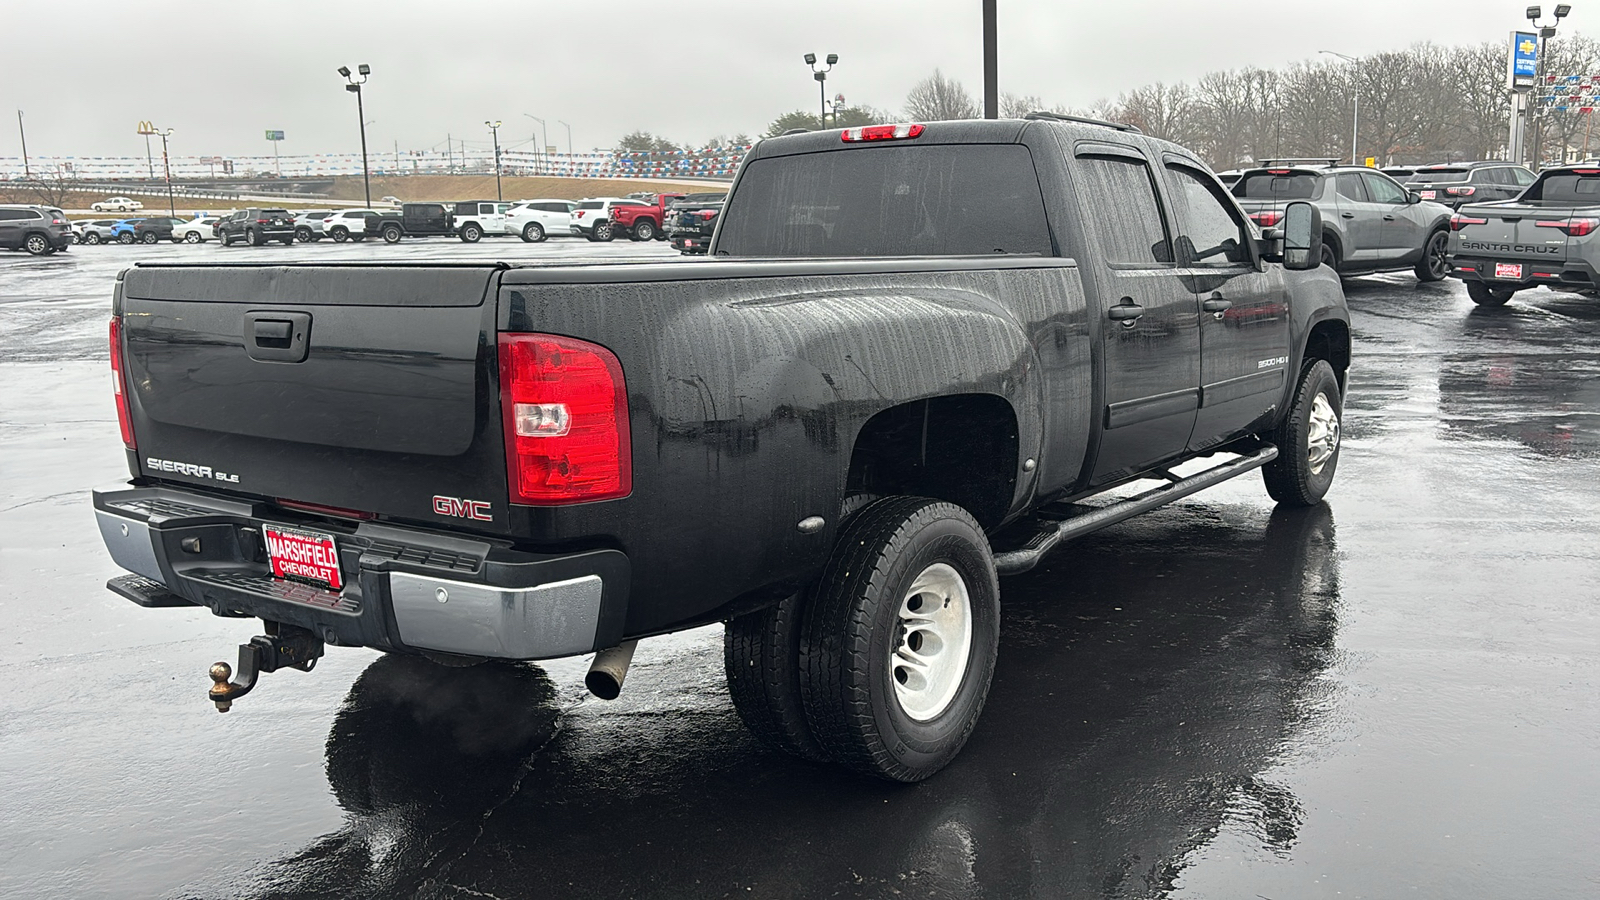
[1390,695]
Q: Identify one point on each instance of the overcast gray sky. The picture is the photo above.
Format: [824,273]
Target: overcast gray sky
[85,73]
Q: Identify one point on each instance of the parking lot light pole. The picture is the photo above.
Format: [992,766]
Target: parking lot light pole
[1355,118]
[543,133]
[494,128]
[821,75]
[166,167]
[354,87]
[569,139]
[1546,33]
[24,133]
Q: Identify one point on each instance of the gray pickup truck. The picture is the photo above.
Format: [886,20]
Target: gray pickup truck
[1544,237]
[917,359]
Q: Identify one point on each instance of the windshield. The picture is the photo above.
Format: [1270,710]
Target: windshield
[1266,186]
[1435,176]
[937,200]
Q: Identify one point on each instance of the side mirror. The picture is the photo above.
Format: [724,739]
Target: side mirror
[1302,236]
[1413,197]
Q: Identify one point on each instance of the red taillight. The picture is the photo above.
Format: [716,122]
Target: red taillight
[263,221]
[1277,171]
[1267,217]
[565,408]
[1573,227]
[118,385]
[1586,171]
[1461,191]
[1458,222]
[707,214]
[880,133]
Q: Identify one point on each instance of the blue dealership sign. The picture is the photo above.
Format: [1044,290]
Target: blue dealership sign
[1524,68]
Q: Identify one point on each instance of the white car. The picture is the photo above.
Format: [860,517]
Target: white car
[308,225]
[196,231]
[117,204]
[347,225]
[535,220]
[592,218]
[476,218]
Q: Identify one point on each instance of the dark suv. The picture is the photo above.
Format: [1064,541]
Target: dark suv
[40,230]
[155,228]
[257,226]
[1473,182]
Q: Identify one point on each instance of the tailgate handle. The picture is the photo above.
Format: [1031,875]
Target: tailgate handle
[277,335]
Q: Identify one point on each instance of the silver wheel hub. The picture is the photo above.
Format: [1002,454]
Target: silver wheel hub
[932,641]
[1322,434]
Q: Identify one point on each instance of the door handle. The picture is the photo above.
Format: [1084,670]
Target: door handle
[1126,311]
[1216,303]
[1347,215]
[1388,218]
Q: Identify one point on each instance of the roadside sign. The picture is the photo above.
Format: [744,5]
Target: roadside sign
[550,149]
[274,135]
[1372,162]
[1522,62]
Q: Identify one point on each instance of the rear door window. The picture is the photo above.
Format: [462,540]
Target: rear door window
[889,200]
[1382,189]
[1122,190]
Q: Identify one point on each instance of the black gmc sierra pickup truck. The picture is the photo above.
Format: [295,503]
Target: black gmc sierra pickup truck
[916,359]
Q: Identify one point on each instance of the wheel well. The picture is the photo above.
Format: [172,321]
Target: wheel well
[1330,341]
[961,448]
[1331,238]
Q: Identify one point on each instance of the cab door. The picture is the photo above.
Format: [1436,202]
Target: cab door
[1244,316]
[1148,329]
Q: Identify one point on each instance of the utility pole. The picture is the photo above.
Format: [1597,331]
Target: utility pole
[494,127]
[1355,118]
[354,87]
[991,61]
[24,132]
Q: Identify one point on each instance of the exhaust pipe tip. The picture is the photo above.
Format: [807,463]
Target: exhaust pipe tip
[609,670]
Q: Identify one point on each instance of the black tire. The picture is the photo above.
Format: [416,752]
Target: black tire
[253,237]
[192,237]
[1295,478]
[533,233]
[303,234]
[604,233]
[92,238]
[392,234]
[125,238]
[644,230]
[287,240]
[1486,295]
[1330,256]
[38,245]
[761,655]
[1435,262]
[339,233]
[150,237]
[224,239]
[852,626]
[471,233]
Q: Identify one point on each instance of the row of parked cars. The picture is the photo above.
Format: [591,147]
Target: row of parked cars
[686,219]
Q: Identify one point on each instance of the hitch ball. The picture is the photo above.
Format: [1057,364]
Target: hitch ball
[220,693]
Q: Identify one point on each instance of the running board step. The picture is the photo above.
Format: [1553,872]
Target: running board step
[1015,562]
[145,592]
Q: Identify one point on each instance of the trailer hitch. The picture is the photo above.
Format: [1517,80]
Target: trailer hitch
[282,647]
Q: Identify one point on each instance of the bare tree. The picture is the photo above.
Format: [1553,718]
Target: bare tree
[937,99]
[1160,110]
[55,186]
[1013,106]
[1476,79]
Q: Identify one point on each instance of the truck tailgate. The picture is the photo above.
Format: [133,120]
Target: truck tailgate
[361,388]
[1510,231]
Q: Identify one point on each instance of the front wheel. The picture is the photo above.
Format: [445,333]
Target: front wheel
[1307,440]
[900,637]
[533,233]
[1485,295]
[1435,262]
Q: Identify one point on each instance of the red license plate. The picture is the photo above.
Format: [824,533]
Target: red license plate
[1428,195]
[1508,270]
[304,556]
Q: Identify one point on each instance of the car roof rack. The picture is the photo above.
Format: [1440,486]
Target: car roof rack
[1082,120]
[1299,161]
[790,131]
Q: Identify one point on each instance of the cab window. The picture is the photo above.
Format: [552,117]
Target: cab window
[1382,189]
[1210,233]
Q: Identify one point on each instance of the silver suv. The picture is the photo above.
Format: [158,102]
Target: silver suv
[1370,223]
